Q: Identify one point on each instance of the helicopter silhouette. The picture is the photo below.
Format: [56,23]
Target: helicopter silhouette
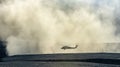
[68,47]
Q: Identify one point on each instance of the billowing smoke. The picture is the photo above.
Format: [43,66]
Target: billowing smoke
[44,26]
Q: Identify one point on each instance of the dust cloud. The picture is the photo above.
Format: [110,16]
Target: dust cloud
[44,26]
